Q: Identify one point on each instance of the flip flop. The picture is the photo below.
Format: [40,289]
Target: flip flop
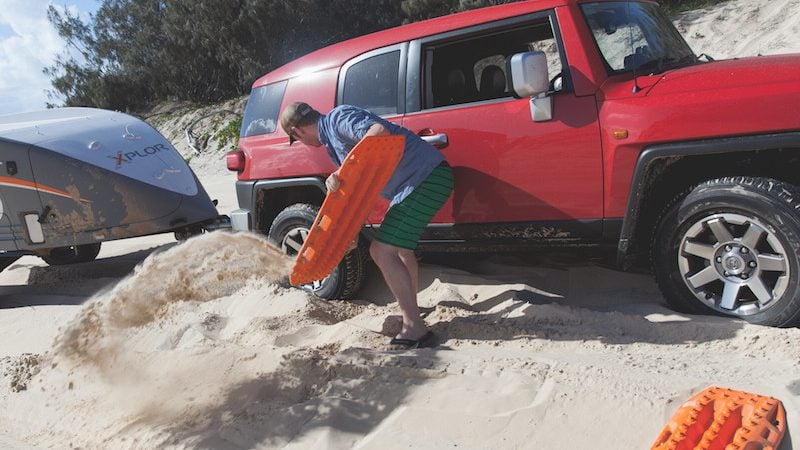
[427,340]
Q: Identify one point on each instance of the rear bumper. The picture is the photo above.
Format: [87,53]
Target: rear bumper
[240,220]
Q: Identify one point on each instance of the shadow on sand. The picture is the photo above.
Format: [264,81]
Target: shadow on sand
[70,284]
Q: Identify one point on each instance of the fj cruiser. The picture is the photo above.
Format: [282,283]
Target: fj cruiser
[569,123]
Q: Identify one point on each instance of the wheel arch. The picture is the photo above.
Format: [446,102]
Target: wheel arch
[270,197]
[665,172]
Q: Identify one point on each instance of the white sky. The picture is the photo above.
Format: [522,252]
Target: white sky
[28,44]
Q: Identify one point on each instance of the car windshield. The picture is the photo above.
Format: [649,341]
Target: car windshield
[636,36]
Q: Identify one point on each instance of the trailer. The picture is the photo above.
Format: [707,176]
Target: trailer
[72,178]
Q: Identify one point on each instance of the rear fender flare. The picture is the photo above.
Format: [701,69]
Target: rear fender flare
[252,193]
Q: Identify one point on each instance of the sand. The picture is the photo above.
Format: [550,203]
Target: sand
[203,344]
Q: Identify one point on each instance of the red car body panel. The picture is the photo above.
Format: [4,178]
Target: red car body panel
[271,156]
[509,169]
[727,98]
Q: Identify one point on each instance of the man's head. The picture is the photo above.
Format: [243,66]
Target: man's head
[299,121]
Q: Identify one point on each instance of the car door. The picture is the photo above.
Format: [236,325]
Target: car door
[543,179]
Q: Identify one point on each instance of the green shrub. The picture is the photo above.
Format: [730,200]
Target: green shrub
[229,133]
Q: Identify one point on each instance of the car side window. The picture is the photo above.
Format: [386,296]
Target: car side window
[261,112]
[473,69]
[372,83]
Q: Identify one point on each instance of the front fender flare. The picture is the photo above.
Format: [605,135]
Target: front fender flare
[647,160]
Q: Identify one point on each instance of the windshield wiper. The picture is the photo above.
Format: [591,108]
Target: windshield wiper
[653,66]
[659,65]
[689,60]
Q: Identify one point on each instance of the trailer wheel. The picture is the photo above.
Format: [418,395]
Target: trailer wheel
[6,261]
[189,232]
[731,247]
[72,255]
[288,232]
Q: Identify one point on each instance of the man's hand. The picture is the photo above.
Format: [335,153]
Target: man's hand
[332,182]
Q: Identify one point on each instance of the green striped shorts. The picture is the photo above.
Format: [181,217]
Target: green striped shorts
[404,223]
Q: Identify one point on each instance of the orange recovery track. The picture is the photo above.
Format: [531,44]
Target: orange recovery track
[724,419]
[363,174]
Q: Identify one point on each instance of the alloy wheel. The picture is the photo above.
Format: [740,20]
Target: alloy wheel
[734,264]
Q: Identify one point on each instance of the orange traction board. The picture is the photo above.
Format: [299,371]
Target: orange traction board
[724,419]
[363,175]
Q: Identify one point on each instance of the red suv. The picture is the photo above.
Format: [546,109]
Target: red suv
[568,123]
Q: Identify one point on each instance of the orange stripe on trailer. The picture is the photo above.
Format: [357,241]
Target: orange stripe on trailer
[25,184]
[363,174]
[724,419]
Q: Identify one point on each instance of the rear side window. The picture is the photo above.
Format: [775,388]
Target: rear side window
[372,83]
[261,112]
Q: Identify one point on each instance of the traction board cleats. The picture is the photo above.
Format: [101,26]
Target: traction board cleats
[363,174]
[724,419]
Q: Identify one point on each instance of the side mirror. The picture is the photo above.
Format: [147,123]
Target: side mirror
[529,78]
[528,74]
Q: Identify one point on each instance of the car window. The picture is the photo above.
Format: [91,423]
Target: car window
[261,112]
[372,83]
[474,69]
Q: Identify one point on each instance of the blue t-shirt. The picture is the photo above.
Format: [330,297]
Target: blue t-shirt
[344,126]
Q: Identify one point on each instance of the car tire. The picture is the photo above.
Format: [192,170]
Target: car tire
[288,232]
[72,254]
[730,247]
[187,233]
[6,261]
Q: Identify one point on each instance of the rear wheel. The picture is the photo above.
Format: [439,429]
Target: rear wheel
[731,247]
[72,254]
[289,231]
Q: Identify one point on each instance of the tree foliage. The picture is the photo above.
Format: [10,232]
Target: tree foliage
[132,53]
[415,10]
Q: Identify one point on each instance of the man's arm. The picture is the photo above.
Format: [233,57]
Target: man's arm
[376,129]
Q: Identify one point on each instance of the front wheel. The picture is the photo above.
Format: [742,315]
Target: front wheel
[289,231]
[731,247]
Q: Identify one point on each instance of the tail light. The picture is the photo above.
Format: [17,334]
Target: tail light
[235,160]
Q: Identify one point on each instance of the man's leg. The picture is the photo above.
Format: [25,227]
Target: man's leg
[393,247]
[409,259]
[402,282]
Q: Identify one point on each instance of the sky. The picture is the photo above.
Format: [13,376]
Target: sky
[28,44]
